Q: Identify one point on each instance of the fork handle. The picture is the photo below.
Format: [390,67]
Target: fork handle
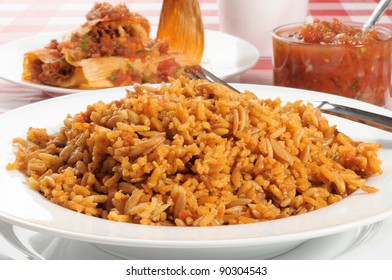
[366,117]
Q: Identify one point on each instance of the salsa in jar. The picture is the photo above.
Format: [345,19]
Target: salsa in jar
[335,58]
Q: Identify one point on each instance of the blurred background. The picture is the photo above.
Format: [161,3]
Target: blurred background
[23,18]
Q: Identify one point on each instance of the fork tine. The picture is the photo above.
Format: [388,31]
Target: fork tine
[192,76]
[201,75]
[204,74]
[214,78]
[196,74]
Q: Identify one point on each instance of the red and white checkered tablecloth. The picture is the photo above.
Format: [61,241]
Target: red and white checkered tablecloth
[22,18]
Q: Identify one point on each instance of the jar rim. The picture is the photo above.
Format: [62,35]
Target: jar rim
[294,26]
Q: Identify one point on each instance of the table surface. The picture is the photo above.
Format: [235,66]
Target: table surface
[22,18]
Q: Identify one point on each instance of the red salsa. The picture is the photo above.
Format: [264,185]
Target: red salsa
[334,58]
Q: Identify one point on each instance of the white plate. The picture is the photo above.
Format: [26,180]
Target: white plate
[225,55]
[368,242]
[21,206]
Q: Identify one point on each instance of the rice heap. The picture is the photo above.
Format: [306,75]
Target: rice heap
[193,153]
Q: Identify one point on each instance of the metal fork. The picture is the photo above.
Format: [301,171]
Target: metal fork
[354,114]
[207,75]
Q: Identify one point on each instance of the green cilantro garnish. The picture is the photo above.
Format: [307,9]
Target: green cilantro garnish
[83,44]
[355,85]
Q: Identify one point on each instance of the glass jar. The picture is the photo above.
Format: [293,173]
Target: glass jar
[358,71]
